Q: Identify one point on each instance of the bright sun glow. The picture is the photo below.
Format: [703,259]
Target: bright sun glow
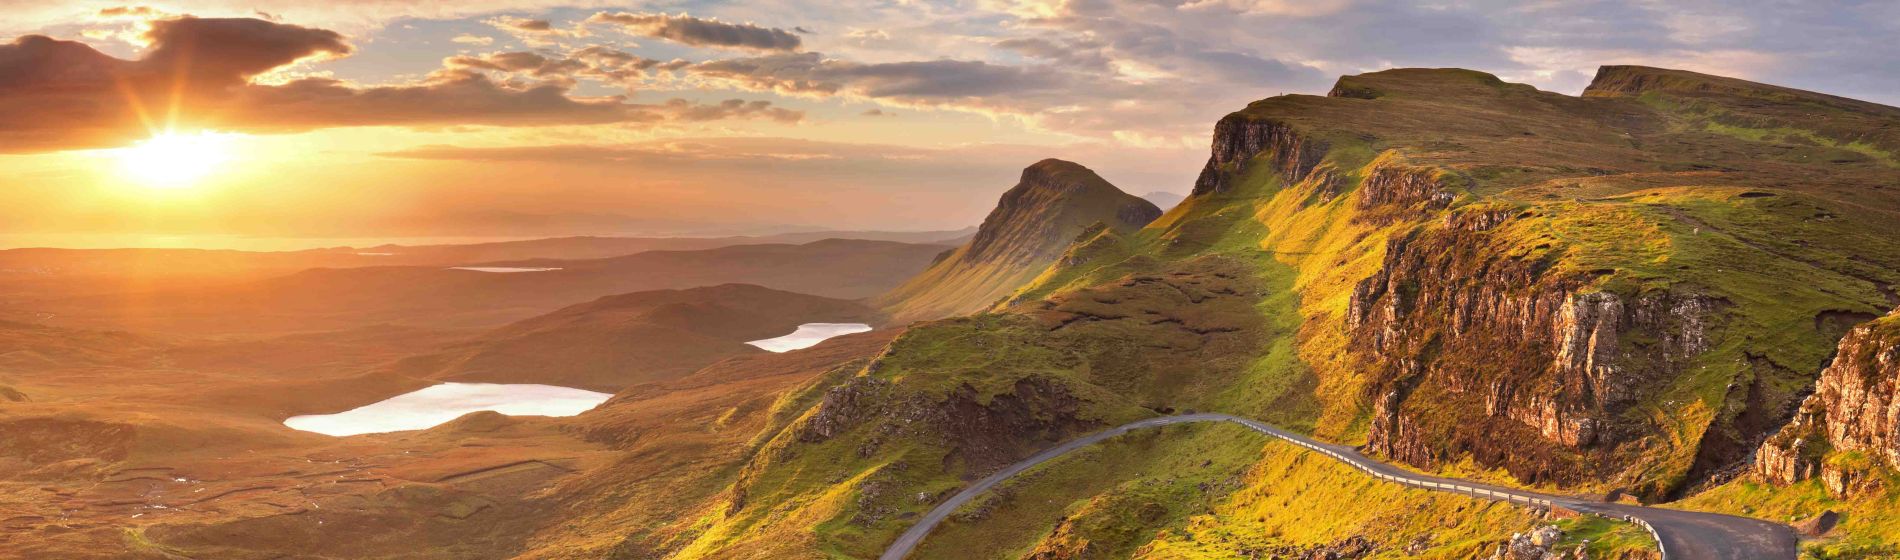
[175,161]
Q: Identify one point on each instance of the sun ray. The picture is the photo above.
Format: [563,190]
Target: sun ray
[175,161]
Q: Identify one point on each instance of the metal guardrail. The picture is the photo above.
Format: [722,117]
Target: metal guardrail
[1661,548]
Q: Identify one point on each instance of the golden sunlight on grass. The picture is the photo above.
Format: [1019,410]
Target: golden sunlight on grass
[175,161]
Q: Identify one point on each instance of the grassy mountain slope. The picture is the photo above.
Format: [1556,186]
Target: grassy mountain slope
[1617,291]
[1035,220]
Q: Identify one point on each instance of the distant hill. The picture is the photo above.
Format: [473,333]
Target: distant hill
[1055,202]
[1163,199]
[616,341]
[49,271]
[435,296]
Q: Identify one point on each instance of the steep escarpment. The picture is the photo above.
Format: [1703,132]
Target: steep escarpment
[1541,363]
[617,341]
[1239,139]
[1054,203]
[1850,427]
[1590,292]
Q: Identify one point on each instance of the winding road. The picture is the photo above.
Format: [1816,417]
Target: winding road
[1683,535]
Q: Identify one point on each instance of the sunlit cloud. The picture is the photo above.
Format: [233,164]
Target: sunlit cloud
[475,40]
[700,32]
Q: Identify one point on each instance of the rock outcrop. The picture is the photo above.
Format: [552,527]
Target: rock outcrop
[1851,424]
[1240,137]
[1052,207]
[1469,337]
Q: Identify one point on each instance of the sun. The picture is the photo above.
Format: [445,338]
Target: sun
[175,161]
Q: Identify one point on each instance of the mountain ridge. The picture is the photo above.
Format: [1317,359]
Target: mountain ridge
[1053,205]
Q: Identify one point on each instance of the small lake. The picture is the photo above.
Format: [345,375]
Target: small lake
[809,335]
[432,406]
[503,269]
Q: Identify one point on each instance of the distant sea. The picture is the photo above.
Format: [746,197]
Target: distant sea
[235,242]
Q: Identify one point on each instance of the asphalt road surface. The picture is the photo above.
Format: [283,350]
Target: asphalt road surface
[1683,535]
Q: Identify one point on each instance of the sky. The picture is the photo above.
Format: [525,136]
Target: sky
[517,118]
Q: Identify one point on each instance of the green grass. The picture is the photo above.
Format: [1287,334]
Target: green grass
[1219,490]
[1869,524]
[1299,499]
[1649,199]
[1107,498]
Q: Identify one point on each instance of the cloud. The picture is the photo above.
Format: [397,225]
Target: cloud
[198,74]
[535,32]
[514,23]
[698,32]
[227,52]
[596,63]
[923,82]
[468,39]
[682,109]
[139,12]
[447,98]
[56,93]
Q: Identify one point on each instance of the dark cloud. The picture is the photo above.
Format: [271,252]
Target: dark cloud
[197,74]
[731,108]
[698,32]
[227,52]
[520,24]
[915,81]
[448,98]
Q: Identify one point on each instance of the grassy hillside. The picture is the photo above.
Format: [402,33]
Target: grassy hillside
[643,337]
[1581,294]
[1221,491]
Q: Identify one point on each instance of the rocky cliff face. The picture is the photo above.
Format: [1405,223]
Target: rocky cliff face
[1484,351]
[1540,362]
[1053,204]
[1851,424]
[1505,303]
[1238,139]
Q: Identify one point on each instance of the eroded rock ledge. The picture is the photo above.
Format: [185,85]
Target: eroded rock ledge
[1851,424]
